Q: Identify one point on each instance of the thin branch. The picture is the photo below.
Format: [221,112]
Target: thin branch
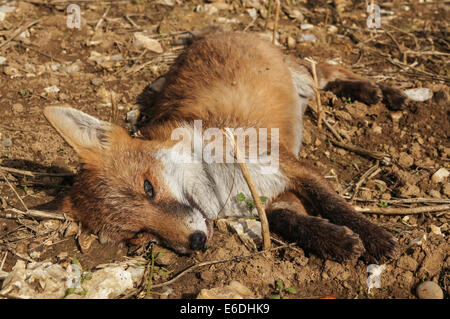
[370,172]
[316,88]
[363,152]
[34,214]
[275,26]
[13,189]
[19,31]
[33,174]
[259,207]
[207,263]
[403,211]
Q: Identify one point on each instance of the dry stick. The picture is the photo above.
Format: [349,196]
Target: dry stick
[275,26]
[403,211]
[127,17]
[418,200]
[20,255]
[19,31]
[13,189]
[35,214]
[114,108]
[207,263]
[254,192]
[371,171]
[363,152]
[101,19]
[3,261]
[316,88]
[33,174]
[269,9]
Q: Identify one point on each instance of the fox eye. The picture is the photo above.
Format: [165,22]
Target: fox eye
[148,189]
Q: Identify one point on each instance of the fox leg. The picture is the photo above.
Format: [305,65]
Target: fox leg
[288,218]
[346,83]
[343,82]
[307,183]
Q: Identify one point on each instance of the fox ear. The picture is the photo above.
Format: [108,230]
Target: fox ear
[83,132]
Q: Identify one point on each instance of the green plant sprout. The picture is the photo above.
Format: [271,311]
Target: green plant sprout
[250,203]
[282,290]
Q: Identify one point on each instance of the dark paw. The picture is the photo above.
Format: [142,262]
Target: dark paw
[361,90]
[380,245]
[394,99]
[341,243]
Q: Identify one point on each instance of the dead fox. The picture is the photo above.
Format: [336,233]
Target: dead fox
[135,190]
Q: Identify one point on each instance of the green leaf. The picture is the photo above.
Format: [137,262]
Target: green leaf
[276,297]
[240,197]
[279,284]
[291,290]
[263,199]
[383,204]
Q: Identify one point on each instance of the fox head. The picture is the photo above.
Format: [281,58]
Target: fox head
[122,190]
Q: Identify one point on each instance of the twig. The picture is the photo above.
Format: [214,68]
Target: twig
[418,200]
[316,88]
[127,17]
[27,46]
[35,214]
[332,130]
[403,211]
[114,107]
[363,152]
[19,31]
[275,26]
[13,189]
[3,261]
[371,171]
[269,9]
[101,19]
[254,192]
[33,174]
[20,255]
[207,263]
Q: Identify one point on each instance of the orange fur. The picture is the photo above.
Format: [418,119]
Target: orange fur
[227,80]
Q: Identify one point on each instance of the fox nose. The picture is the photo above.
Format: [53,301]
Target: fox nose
[197,240]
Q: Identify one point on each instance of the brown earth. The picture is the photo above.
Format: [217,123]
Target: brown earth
[410,51]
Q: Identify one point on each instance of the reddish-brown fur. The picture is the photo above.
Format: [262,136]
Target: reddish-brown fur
[226,80]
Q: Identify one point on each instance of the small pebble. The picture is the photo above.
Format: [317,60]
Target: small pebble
[405,160]
[429,290]
[306,26]
[419,95]
[440,175]
[307,37]
[7,142]
[446,189]
[17,108]
[291,42]
[51,89]
[97,81]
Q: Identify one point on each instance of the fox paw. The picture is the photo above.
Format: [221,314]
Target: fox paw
[394,99]
[340,244]
[380,245]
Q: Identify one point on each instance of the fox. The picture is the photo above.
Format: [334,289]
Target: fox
[135,189]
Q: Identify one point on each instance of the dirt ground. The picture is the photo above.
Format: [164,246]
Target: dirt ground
[101,71]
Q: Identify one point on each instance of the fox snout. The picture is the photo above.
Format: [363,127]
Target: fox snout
[197,241]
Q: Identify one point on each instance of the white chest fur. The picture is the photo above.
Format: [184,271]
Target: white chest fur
[214,187]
